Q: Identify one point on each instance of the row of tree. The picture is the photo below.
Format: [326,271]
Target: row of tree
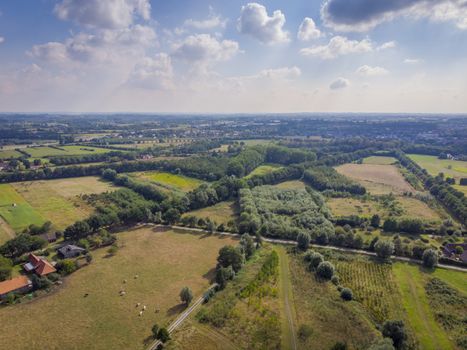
[327,178]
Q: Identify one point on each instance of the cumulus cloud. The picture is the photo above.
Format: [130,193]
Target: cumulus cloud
[387,45]
[213,21]
[109,14]
[369,71]
[308,30]
[205,48]
[363,15]
[255,21]
[153,73]
[338,46]
[280,73]
[339,83]
[412,60]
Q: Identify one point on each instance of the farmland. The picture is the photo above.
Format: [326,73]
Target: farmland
[380,160]
[221,213]
[58,200]
[434,166]
[170,181]
[43,152]
[377,178]
[7,154]
[262,170]
[104,319]
[291,185]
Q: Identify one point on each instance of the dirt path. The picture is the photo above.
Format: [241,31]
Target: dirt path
[289,340]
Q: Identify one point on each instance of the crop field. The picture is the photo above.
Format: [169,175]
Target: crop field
[381,160]
[6,154]
[164,261]
[263,169]
[319,306]
[378,179]
[40,152]
[16,211]
[434,166]
[58,200]
[411,280]
[170,181]
[291,185]
[221,213]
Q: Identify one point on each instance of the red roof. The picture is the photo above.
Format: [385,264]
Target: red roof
[34,259]
[14,284]
[41,266]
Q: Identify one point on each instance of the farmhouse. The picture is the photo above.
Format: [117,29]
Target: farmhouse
[49,237]
[20,284]
[38,265]
[70,251]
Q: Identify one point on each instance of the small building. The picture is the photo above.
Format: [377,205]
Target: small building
[49,237]
[20,284]
[449,251]
[70,251]
[38,265]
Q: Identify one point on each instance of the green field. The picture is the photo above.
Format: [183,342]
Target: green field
[221,213]
[291,185]
[451,168]
[16,211]
[411,280]
[165,262]
[7,154]
[382,160]
[170,181]
[263,170]
[41,152]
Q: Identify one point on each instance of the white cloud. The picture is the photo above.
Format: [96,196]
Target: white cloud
[280,73]
[2,39]
[213,21]
[369,71]
[339,83]
[387,45]
[412,60]
[205,48]
[255,21]
[109,14]
[153,73]
[308,30]
[338,46]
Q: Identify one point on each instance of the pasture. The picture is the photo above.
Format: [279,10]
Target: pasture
[170,181]
[7,154]
[44,151]
[381,160]
[58,200]
[221,213]
[164,261]
[16,211]
[377,178]
[263,170]
[451,168]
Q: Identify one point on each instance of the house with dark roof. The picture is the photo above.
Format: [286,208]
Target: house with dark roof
[20,284]
[49,236]
[70,251]
[38,265]
[450,251]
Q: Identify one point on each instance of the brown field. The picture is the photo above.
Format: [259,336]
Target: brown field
[65,319]
[291,185]
[377,178]
[58,200]
[221,213]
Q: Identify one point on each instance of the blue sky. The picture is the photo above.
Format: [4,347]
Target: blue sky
[233,56]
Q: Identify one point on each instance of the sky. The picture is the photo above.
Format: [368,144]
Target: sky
[228,56]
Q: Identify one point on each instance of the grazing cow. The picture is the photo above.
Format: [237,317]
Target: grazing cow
[141,313]
[144,307]
[136,276]
[124,281]
[138,304]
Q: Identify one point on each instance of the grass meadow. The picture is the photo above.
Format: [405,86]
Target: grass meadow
[221,213]
[7,154]
[170,181]
[165,262]
[44,151]
[263,170]
[381,160]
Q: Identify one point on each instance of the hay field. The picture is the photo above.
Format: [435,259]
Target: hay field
[164,261]
[221,213]
[381,160]
[377,178]
[170,181]
[263,169]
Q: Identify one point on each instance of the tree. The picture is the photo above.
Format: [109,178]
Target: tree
[163,335]
[430,258]
[395,330]
[186,295]
[248,245]
[384,249]
[223,275]
[390,225]
[172,216]
[325,270]
[66,266]
[6,266]
[346,294]
[375,221]
[303,240]
[230,256]
[315,260]
[155,331]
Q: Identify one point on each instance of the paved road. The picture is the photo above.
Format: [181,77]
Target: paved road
[180,319]
[341,249]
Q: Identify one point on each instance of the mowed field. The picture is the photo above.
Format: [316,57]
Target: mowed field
[165,262]
[377,178]
[221,213]
[6,154]
[382,160]
[263,169]
[39,152]
[170,181]
[58,200]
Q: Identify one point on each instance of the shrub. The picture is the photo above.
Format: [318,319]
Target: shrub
[315,260]
[304,332]
[396,331]
[6,266]
[66,266]
[186,295]
[303,240]
[430,258]
[112,250]
[163,335]
[89,258]
[346,294]
[325,270]
[155,331]
[384,249]
[335,280]
[307,256]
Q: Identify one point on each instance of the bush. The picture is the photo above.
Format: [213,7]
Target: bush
[384,249]
[325,270]
[6,266]
[335,280]
[303,240]
[346,294]
[163,335]
[315,260]
[66,266]
[430,258]
[155,331]
[396,331]
[186,295]
[304,332]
